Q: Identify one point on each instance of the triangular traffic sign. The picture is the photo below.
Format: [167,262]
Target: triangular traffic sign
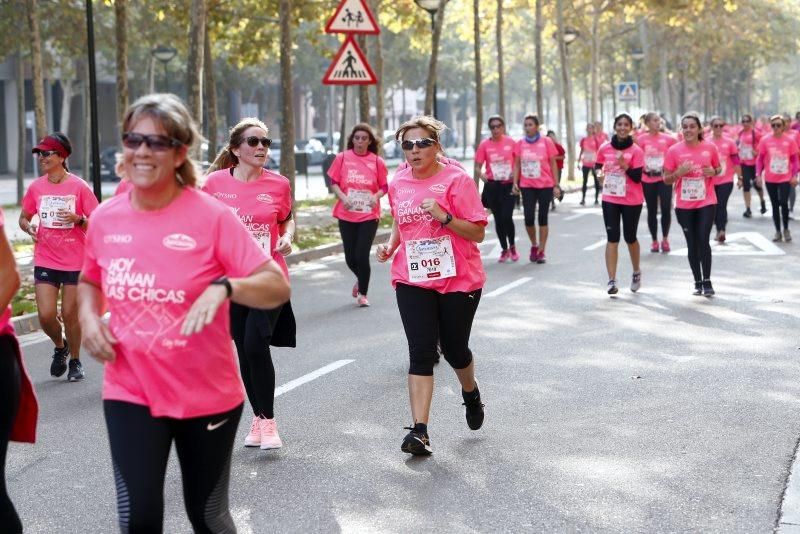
[352,16]
[349,67]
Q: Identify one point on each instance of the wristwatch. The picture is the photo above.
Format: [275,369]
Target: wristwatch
[223,281]
[447,220]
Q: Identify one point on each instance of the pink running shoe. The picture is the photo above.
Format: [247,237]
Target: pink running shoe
[665,246]
[362,301]
[540,257]
[534,253]
[269,435]
[654,246]
[513,253]
[253,438]
[504,257]
[355,290]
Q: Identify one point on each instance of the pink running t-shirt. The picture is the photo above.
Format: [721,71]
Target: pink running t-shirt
[358,177]
[693,190]
[5,315]
[589,147]
[654,148]
[455,262]
[747,142]
[726,148]
[534,162]
[498,157]
[262,205]
[152,266]
[123,187]
[618,188]
[59,246]
[777,153]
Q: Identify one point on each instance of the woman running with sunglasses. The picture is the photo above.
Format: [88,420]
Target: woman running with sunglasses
[358,179]
[657,194]
[159,258]
[778,161]
[437,273]
[262,200]
[692,165]
[63,203]
[620,162]
[747,143]
[723,182]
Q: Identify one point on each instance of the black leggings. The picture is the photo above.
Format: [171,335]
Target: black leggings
[779,198]
[612,213]
[586,171]
[723,194]
[10,380]
[252,339]
[140,445]
[696,224]
[531,196]
[357,238]
[749,179]
[658,194]
[430,317]
[500,200]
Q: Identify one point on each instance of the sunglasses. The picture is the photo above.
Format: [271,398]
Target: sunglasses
[421,143]
[47,153]
[360,138]
[746,121]
[776,125]
[717,125]
[253,141]
[156,143]
[495,126]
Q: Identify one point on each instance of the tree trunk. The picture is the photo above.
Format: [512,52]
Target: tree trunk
[121,31]
[67,91]
[476,22]
[343,124]
[36,67]
[594,63]
[210,85]
[538,52]
[380,105]
[570,125]
[501,96]
[437,34]
[287,93]
[151,75]
[194,63]
[363,90]
[21,141]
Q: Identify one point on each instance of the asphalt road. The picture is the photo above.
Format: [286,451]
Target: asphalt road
[649,412]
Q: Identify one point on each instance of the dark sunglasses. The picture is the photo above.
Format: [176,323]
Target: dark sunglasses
[156,143]
[421,143]
[717,125]
[47,153]
[253,141]
[776,125]
[495,126]
[746,121]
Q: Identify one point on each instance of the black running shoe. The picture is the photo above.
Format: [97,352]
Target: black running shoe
[763,208]
[59,365]
[474,406]
[708,289]
[416,443]
[747,213]
[698,289]
[75,371]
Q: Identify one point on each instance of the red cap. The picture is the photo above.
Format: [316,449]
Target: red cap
[51,143]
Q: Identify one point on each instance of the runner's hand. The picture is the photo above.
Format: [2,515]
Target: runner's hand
[33,230]
[204,309]
[683,168]
[515,189]
[382,253]
[760,182]
[431,206]
[67,217]
[284,244]
[793,181]
[739,183]
[98,340]
[708,172]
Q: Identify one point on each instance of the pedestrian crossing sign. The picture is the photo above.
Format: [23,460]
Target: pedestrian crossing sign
[628,91]
[349,67]
[352,16]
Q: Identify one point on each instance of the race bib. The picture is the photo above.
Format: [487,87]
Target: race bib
[693,189]
[359,200]
[779,165]
[501,171]
[589,157]
[615,184]
[746,152]
[531,168]
[654,164]
[430,259]
[49,207]
[264,240]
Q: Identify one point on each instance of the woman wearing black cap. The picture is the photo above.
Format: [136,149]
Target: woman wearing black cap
[62,202]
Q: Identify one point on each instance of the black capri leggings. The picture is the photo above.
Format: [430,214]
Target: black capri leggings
[696,224]
[586,171]
[140,445]
[500,200]
[658,194]
[779,198]
[749,178]
[357,238]
[10,380]
[723,194]
[612,213]
[430,317]
[531,196]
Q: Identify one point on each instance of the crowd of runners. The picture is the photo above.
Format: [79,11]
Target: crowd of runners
[174,254]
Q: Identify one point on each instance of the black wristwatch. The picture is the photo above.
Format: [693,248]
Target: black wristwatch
[447,220]
[223,281]
[83,220]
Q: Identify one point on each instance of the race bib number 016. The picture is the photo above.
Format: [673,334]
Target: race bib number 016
[430,259]
[615,184]
[693,189]
[779,165]
[531,168]
[49,207]
[359,200]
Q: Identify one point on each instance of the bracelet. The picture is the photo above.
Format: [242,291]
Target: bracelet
[223,281]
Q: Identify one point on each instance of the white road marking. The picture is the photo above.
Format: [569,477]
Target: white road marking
[597,245]
[297,382]
[581,213]
[32,339]
[508,287]
[741,244]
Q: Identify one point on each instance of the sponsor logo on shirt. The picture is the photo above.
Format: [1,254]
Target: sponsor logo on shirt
[405,191]
[179,242]
[220,194]
[117,239]
[438,188]
[263,197]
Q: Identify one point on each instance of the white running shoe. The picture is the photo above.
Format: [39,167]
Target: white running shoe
[269,435]
[636,281]
[253,438]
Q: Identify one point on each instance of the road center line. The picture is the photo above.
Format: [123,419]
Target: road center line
[297,382]
[597,245]
[508,287]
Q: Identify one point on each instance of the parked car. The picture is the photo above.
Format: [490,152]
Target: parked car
[314,148]
[329,143]
[391,148]
[108,161]
[274,158]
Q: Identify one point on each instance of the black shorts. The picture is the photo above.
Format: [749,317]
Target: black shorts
[54,277]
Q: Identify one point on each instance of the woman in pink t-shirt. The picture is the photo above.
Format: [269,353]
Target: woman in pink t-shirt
[62,202]
[723,182]
[358,179]
[747,142]
[262,200]
[588,155]
[437,272]
[777,162]
[160,258]
[692,165]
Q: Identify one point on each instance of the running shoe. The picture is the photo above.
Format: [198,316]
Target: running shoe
[474,406]
[416,443]
[787,236]
[504,257]
[654,247]
[269,434]
[75,371]
[355,290]
[362,301]
[513,254]
[665,245]
[747,213]
[708,289]
[553,206]
[540,257]
[698,289]
[612,287]
[253,438]
[59,365]
[596,202]
[636,282]
[721,237]
[583,202]
[777,238]
[534,253]
[763,208]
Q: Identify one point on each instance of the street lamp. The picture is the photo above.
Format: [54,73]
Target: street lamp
[164,54]
[432,7]
[637,55]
